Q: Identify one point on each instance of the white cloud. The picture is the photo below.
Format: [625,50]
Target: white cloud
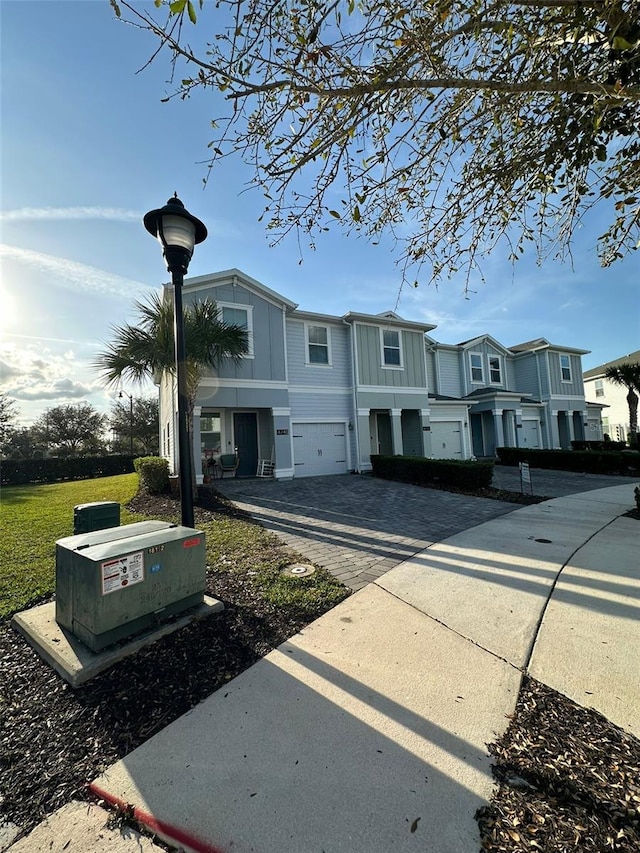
[76,276]
[36,373]
[60,389]
[23,214]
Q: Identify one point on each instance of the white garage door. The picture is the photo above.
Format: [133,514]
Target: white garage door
[319,449]
[530,435]
[446,440]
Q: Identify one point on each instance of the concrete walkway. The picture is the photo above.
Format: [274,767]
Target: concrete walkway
[368,730]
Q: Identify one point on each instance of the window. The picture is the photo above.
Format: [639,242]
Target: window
[475,360]
[599,388]
[565,368]
[210,437]
[495,372]
[391,356]
[239,315]
[317,344]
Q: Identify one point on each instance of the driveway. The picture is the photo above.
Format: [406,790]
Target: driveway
[554,484]
[358,527]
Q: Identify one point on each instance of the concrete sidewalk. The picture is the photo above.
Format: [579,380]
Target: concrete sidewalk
[368,730]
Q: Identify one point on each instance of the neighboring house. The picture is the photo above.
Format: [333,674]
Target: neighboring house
[318,394]
[615,417]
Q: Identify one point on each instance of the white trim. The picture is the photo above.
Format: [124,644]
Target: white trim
[363,413]
[471,368]
[215,382]
[390,389]
[396,413]
[286,345]
[562,355]
[197,411]
[241,307]
[307,360]
[383,364]
[566,397]
[280,412]
[284,474]
[235,277]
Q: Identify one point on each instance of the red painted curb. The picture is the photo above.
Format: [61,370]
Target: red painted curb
[165,830]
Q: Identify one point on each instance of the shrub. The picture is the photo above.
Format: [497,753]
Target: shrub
[16,472]
[154,474]
[636,494]
[598,445]
[434,472]
[583,461]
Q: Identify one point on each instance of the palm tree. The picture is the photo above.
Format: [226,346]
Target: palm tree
[628,375]
[146,350]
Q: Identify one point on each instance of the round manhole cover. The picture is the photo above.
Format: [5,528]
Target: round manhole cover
[298,570]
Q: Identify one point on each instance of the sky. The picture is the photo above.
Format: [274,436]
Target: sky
[87,148]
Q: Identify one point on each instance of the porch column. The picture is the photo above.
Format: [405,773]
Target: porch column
[426,432]
[197,449]
[498,430]
[396,430]
[517,423]
[570,427]
[282,444]
[364,440]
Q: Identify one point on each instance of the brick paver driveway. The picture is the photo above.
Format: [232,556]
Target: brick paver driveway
[358,527]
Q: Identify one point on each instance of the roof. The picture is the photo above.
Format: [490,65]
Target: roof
[482,339]
[594,372]
[543,343]
[386,320]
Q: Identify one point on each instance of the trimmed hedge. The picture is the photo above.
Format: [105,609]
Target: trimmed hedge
[598,445]
[17,472]
[154,474]
[419,471]
[583,461]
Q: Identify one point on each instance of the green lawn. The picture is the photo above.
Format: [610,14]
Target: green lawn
[32,518]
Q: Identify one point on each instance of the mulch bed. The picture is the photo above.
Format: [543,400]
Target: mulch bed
[569,779]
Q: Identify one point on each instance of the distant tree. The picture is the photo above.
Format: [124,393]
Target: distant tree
[628,376]
[453,125]
[22,443]
[71,430]
[8,419]
[144,427]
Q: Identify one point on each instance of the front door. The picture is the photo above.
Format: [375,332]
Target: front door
[385,441]
[245,432]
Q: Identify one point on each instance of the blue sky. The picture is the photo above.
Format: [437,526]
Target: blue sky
[88,148]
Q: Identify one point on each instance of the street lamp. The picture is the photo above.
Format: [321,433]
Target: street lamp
[130,396]
[178,232]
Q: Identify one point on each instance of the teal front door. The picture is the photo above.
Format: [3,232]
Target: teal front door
[245,432]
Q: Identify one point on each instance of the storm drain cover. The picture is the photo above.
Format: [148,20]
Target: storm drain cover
[298,570]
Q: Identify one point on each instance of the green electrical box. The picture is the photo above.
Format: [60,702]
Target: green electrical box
[113,583]
[95,516]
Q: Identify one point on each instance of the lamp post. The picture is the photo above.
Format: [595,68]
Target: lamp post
[178,232]
[130,396]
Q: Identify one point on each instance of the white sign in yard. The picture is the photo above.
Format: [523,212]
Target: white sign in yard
[525,473]
[122,572]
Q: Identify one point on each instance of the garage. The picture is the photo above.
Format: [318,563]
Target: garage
[446,440]
[530,434]
[319,448]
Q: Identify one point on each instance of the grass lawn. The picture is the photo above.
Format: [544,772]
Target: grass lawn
[32,518]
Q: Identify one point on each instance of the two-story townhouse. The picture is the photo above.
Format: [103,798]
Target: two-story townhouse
[319,394]
[553,374]
[604,392]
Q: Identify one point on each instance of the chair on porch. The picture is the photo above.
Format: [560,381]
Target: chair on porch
[228,463]
[266,467]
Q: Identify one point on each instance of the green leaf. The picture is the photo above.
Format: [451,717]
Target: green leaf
[335,214]
[177,6]
[356,214]
[115,8]
[192,12]
[157,3]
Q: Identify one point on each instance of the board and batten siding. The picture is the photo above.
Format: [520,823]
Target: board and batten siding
[432,376]
[558,386]
[526,375]
[268,361]
[369,355]
[304,375]
[449,371]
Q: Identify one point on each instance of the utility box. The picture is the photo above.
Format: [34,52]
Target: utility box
[113,583]
[95,516]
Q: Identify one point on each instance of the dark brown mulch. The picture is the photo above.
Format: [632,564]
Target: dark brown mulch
[569,780]
[54,739]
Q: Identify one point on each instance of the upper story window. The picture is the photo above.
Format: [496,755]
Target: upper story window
[565,368]
[318,343]
[475,362]
[495,370]
[391,350]
[599,388]
[239,315]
